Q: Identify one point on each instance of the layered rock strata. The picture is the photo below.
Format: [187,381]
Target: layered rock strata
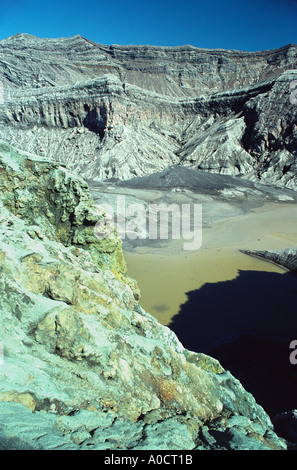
[126,111]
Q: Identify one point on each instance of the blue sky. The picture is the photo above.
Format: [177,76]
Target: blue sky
[244,25]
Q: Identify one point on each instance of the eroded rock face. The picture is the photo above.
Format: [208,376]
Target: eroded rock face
[286,258]
[125,111]
[171,71]
[83,365]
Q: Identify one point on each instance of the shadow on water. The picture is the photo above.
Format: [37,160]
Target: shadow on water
[247,324]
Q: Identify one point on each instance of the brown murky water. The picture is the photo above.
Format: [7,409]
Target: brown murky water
[164,277]
[164,280]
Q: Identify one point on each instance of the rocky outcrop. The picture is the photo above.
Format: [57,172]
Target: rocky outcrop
[83,366]
[126,111]
[286,258]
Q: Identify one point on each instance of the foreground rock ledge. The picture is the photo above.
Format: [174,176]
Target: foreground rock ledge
[84,366]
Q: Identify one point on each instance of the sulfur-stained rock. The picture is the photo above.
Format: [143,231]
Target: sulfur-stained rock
[63,333]
[25,399]
[51,205]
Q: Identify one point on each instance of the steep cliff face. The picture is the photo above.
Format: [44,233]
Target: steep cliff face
[124,111]
[83,366]
[31,62]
